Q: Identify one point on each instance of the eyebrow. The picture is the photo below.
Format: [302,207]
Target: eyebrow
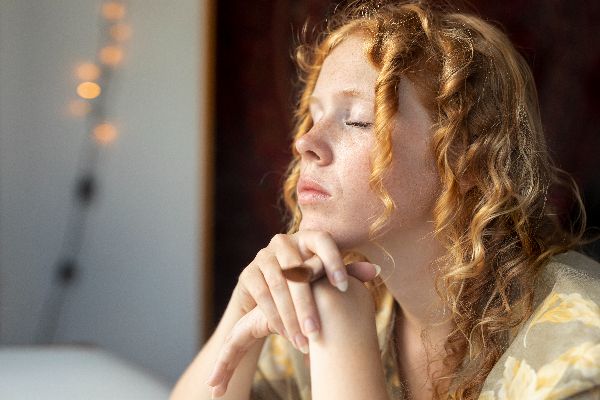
[353,92]
[348,92]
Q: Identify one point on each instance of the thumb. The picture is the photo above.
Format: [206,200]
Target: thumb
[363,271]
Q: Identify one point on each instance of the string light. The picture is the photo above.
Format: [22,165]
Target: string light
[92,76]
[120,32]
[105,133]
[111,55]
[88,90]
[88,71]
[113,10]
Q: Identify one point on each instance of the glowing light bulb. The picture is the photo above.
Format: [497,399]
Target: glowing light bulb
[120,32]
[111,55]
[105,132]
[88,71]
[88,90]
[79,107]
[113,10]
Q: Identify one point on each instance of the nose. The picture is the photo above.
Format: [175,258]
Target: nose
[314,147]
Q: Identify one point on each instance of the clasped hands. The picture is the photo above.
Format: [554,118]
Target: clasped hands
[275,296]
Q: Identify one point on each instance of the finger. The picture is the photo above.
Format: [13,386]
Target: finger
[362,271]
[286,250]
[323,245]
[254,290]
[308,315]
[300,274]
[310,270]
[221,388]
[282,297]
[244,334]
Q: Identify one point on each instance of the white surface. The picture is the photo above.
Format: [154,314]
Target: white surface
[74,373]
[139,288]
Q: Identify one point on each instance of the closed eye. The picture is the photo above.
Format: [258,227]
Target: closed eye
[358,124]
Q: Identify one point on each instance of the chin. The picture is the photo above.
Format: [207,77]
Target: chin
[345,239]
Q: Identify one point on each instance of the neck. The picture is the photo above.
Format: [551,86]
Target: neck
[408,270]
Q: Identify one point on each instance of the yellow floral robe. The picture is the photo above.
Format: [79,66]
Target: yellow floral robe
[554,355]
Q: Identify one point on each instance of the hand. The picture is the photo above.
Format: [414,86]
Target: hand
[289,307]
[254,326]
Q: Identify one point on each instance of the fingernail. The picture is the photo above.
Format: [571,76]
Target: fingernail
[341,281]
[311,329]
[377,269]
[301,343]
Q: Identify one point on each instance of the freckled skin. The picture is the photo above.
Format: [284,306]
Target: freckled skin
[338,156]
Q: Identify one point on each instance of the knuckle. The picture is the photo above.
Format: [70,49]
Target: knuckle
[291,320]
[322,235]
[229,340]
[278,284]
[235,348]
[261,255]
[279,239]
[259,327]
[231,345]
[274,320]
[261,294]
[244,273]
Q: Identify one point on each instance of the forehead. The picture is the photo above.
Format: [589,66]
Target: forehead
[347,70]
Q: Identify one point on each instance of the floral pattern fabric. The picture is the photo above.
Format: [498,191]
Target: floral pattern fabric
[554,355]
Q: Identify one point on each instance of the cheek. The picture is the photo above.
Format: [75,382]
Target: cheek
[414,183]
[361,205]
[354,169]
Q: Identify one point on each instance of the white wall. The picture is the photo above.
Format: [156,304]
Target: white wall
[138,291]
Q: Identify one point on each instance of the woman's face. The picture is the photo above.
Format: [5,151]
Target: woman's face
[333,191]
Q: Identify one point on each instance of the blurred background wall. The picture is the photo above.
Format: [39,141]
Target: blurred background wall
[137,289]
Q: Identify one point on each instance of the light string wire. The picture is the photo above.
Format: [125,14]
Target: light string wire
[92,103]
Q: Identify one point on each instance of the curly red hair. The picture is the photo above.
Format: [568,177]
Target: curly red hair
[499,231]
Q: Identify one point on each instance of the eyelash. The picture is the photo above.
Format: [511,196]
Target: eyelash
[358,124]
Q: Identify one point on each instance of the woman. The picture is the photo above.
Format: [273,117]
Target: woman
[419,148]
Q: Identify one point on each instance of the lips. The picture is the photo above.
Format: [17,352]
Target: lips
[309,190]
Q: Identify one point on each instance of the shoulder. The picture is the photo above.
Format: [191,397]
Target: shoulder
[556,353]
[574,270]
